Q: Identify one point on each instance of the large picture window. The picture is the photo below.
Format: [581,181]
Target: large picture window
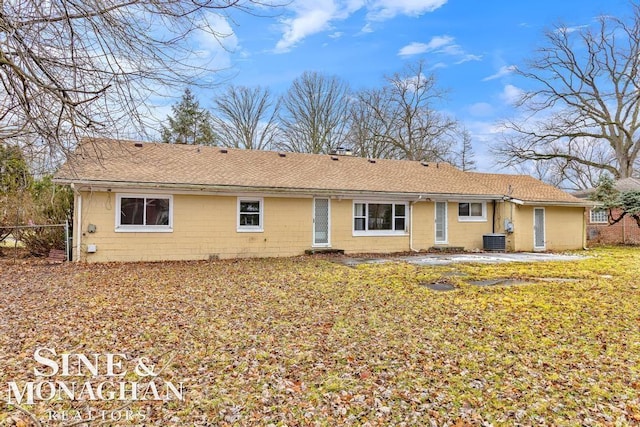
[250,214]
[144,213]
[472,211]
[379,218]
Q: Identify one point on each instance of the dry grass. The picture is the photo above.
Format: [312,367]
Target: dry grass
[304,341]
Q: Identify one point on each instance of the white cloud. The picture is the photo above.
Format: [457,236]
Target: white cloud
[503,71]
[469,57]
[368,28]
[308,17]
[311,17]
[511,94]
[354,5]
[336,35]
[386,9]
[414,48]
[438,42]
[481,109]
[443,45]
[569,30]
[214,46]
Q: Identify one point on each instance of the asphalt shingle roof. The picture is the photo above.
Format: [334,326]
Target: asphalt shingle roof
[524,187]
[109,161]
[625,184]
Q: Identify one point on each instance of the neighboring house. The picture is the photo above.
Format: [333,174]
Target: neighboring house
[148,201]
[599,231]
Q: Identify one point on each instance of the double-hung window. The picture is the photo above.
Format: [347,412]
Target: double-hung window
[379,218]
[144,213]
[472,211]
[250,214]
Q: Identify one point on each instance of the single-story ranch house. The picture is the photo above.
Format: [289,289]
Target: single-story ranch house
[139,201]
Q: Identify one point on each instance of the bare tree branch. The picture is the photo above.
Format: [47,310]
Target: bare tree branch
[586,92]
[70,69]
[314,114]
[401,120]
[246,118]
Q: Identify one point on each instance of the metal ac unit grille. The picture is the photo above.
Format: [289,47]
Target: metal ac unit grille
[494,242]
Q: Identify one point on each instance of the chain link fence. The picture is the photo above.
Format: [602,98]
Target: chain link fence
[37,238]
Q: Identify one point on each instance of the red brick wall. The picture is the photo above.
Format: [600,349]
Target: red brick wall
[623,232]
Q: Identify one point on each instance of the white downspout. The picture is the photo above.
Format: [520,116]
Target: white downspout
[79,228]
[584,229]
[411,225]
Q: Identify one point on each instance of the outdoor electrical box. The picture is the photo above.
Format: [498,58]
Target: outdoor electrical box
[91,228]
[92,249]
[508,226]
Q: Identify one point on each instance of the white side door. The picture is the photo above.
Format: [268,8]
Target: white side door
[539,240]
[441,223]
[321,225]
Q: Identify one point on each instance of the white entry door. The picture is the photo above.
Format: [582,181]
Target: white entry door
[539,243]
[321,226]
[441,223]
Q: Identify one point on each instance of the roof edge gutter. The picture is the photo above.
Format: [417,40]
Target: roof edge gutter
[556,203]
[206,188]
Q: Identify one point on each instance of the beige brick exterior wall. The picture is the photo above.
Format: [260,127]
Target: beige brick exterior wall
[468,234]
[205,226]
[564,228]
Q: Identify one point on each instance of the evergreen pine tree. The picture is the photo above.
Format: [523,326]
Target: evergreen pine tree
[189,124]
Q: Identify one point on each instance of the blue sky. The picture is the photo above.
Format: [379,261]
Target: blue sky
[471,46]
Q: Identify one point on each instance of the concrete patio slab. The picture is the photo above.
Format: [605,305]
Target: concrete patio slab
[500,282]
[483,257]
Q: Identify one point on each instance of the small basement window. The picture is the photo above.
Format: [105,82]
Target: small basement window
[250,214]
[472,211]
[144,213]
[599,216]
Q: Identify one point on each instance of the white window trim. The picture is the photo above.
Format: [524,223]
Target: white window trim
[591,220]
[250,228]
[119,228]
[379,233]
[482,218]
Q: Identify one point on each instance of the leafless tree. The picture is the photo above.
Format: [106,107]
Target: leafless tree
[314,113]
[246,118]
[419,130]
[463,156]
[75,68]
[369,123]
[585,94]
[401,120]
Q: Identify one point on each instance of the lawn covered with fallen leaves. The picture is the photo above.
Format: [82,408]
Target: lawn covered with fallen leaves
[306,341]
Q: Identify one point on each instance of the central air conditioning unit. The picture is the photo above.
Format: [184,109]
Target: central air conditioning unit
[494,242]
